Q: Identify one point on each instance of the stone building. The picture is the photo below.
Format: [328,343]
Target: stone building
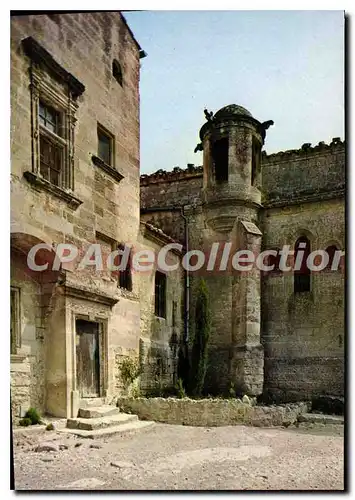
[280,334]
[75,179]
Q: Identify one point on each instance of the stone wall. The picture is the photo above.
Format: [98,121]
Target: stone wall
[105,207]
[309,170]
[160,337]
[165,190]
[211,412]
[85,45]
[27,364]
[303,336]
[303,333]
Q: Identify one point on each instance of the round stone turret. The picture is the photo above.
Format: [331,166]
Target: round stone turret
[231,140]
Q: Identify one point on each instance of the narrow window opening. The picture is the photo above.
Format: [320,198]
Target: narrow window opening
[220,159]
[255,162]
[125,276]
[117,72]
[160,294]
[302,277]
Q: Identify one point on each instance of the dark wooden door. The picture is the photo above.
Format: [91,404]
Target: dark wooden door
[87,358]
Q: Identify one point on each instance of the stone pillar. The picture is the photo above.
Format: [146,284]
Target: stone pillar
[247,367]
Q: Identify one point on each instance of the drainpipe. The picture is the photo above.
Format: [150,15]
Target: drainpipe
[187,276]
[187,282]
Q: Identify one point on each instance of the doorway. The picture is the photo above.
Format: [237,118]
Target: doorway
[88,358]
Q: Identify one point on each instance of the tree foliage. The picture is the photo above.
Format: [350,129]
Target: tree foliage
[199,347]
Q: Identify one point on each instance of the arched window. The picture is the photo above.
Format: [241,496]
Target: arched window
[330,251]
[117,72]
[302,274]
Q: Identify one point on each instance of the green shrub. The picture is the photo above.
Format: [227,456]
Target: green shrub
[129,370]
[25,422]
[33,415]
[198,366]
[50,427]
[232,390]
[134,390]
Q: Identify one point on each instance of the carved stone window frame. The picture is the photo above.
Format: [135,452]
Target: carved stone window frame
[42,90]
[53,85]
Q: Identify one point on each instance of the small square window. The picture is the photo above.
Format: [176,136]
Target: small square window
[105,146]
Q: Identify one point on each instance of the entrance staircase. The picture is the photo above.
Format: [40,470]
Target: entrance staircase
[102,421]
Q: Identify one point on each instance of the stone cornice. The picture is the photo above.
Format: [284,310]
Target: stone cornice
[307,198]
[72,290]
[176,174]
[220,202]
[40,55]
[337,145]
[107,168]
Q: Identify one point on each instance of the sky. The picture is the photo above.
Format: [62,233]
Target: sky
[286,66]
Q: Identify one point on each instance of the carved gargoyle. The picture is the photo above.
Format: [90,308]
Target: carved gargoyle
[263,128]
[208,115]
[199,147]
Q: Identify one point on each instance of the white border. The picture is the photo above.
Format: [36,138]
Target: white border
[4,186]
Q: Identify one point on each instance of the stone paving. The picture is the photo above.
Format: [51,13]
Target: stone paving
[171,457]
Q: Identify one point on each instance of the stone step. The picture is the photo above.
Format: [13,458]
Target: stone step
[92,402]
[320,418]
[98,411]
[129,427]
[90,424]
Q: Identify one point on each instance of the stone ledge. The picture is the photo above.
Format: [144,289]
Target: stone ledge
[107,168]
[90,295]
[211,412]
[41,183]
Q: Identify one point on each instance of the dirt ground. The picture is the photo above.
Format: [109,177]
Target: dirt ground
[171,457]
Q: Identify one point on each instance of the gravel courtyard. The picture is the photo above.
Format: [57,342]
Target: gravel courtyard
[182,458]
